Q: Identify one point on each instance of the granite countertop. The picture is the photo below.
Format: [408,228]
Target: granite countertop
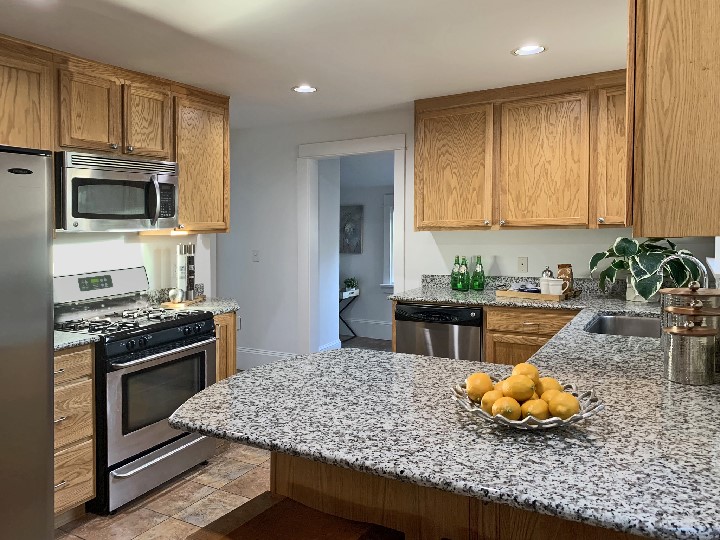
[217,305]
[649,464]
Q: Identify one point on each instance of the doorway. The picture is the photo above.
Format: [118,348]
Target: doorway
[318,290]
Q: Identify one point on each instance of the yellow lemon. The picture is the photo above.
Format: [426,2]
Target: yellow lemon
[547,395]
[534,396]
[518,387]
[477,384]
[547,383]
[528,370]
[499,385]
[536,408]
[489,399]
[507,407]
[564,405]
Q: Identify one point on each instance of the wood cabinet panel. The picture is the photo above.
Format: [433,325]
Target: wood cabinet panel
[511,349]
[73,413]
[225,349]
[201,149]
[74,476]
[72,364]
[612,185]
[544,170]
[676,118]
[147,121]
[453,168]
[528,321]
[25,102]
[89,112]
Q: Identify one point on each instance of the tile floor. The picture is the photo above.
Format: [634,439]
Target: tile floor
[186,505]
[367,343]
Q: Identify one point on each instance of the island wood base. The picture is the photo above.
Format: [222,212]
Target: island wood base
[420,512]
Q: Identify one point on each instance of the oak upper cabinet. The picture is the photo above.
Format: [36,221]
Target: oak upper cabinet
[610,165]
[147,121]
[201,150]
[674,80]
[544,169]
[453,168]
[25,102]
[90,112]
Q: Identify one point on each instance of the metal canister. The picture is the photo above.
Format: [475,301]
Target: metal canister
[690,353]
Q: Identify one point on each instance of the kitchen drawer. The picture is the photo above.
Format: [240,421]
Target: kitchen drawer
[511,349]
[546,322]
[73,364]
[74,476]
[73,416]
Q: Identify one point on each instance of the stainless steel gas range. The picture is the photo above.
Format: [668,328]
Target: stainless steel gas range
[148,362]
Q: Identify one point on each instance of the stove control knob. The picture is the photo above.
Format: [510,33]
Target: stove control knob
[142,341]
[130,345]
[198,328]
[187,330]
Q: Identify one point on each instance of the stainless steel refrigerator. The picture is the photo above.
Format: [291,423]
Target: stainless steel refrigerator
[26,351]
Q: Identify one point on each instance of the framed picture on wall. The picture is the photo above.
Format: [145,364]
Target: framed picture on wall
[351,225]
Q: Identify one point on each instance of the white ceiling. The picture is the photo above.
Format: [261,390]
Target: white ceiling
[363,55]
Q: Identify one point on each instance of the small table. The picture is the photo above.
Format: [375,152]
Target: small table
[351,295]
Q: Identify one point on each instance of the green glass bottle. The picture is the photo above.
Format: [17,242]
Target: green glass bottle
[455,275]
[464,281]
[478,278]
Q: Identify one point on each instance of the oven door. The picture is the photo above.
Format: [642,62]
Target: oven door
[107,201]
[143,393]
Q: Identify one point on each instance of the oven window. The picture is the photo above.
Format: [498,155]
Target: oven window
[153,394]
[109,199]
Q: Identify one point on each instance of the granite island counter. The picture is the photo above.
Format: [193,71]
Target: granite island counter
[384,427]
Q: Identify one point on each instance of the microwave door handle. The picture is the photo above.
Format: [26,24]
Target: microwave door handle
[157,200]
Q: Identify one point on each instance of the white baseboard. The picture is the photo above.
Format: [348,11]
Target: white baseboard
[370,329]
[248,357]
[332,345]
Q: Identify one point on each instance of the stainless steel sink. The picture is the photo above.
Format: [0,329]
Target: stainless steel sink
[622,325]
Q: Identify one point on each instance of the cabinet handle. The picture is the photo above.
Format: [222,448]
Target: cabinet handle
[59,371]
[130,148]
[530,323]
[113,146]
[181,226]
[502,222]
[61,419]
[601,220]
[486,222]
[58,486]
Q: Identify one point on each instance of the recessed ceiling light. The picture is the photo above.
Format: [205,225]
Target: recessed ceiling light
[304,89]
[527,50]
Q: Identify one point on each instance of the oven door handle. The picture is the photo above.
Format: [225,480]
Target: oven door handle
[133,472]
[152,357]
[157,199]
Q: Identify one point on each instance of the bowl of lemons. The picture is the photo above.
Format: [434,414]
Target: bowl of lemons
[525,400]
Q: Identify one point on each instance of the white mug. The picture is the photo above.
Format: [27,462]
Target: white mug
[557,286]
[545,285]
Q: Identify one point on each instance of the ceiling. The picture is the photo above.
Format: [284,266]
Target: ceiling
[363,55]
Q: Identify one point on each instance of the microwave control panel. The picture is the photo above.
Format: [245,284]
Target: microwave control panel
[167,201]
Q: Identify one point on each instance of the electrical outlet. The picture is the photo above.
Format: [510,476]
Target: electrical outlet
[523,265]
[255,255]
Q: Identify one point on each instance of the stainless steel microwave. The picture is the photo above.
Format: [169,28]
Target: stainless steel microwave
[97,193]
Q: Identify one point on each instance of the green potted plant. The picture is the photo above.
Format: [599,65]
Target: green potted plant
[641,262]
[350,283]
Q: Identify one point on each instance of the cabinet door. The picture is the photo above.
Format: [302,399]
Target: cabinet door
[612,180]
[544,172]
[226,362]
[676,118]
[453,168]
[89,112]
[201,150]
[511,349]
[147,121]
[25,102]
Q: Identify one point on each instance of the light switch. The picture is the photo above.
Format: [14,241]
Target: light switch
[522,265]
[255,255]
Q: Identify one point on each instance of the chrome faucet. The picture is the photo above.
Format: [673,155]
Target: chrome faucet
[680,256]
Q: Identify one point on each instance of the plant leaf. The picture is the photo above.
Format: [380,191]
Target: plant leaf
[678,272]
[595,260]
[636,269]
[670,243]
[620,264]
[648,286]
[626,247]
[610,273]
[650,262]
[652,247]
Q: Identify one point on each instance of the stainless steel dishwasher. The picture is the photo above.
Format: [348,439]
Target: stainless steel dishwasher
[445,331]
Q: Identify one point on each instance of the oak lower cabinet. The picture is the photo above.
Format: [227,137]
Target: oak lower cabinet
[25,101]
[225,348]
[544,169]
[513,335]
[453,168]
[74,422]
[202,152]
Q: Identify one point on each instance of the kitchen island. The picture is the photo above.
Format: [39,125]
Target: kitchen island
[377,437]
